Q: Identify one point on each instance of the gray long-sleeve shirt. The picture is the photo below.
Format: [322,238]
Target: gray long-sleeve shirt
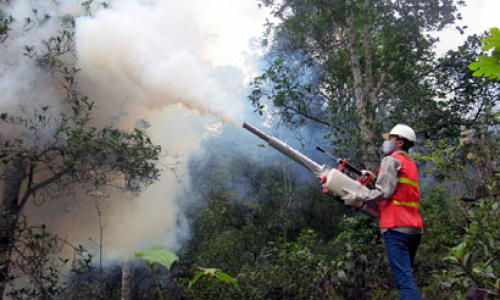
[386,185]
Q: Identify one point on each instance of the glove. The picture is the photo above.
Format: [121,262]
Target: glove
[366,178]
[351,197]
[366,173]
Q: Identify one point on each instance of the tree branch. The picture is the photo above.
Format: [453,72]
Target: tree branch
[402,87]
[383,77]
[31,190]
[306,115]
[52,148]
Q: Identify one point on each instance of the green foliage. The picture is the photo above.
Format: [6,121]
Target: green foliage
[463,218]
[475,260]
[362,255]
[474,152]
[489,66]
[294,270]
[36,262]
[89,154]
[163,256]
[213,273]
[443,221]
[68,144]
[45,151]
[5,21]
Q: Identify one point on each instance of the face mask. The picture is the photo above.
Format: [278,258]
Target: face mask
[388,146]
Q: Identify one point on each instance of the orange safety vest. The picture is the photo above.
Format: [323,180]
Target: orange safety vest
[402,209]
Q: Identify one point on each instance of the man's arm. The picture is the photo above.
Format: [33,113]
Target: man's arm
[387,180]
[385,186]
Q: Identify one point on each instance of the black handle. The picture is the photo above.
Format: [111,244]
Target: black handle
[341,161]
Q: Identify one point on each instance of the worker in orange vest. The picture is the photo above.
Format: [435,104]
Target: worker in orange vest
[398,191]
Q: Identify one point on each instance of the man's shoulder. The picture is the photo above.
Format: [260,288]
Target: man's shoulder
[389,159]
[402,156]
[390,162]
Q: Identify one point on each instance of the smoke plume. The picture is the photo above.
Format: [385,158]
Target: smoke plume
[152,50]
[157,60]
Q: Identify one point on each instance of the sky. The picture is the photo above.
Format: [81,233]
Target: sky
[478,15]
[234,32]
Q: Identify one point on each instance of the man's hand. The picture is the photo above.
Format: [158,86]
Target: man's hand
[351,197]
[367,177]
[367,173]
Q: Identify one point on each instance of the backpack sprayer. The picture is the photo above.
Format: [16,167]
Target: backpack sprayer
[332,180]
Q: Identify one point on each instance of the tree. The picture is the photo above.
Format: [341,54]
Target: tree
[459,100]
[346,63]
[37,264]
[43,154]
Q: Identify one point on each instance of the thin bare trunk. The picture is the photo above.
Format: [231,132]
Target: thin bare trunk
[157,282]
[9,210]
[287,191]
[127,280]
[367,47]
[101,240]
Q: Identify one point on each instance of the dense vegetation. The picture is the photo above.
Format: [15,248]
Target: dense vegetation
[268,225]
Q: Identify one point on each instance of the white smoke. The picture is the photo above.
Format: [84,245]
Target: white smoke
[140,59]
[152,50]
[19,74]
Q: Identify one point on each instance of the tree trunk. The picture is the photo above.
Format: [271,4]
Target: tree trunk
[287,193]
[127,280]
[9,210]
[364,90]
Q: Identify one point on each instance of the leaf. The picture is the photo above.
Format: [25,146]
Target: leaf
[209,271]
[493,41]
[489,66]
[466,132]
[199,274]
[341,275]
[467,262]
[162,256]
[213,272]
[226,278]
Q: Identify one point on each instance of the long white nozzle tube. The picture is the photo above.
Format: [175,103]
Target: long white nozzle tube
[287,150]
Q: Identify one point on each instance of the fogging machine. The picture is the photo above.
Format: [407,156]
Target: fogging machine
[332,179]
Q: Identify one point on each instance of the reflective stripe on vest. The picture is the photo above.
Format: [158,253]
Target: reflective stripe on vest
[412,183]
[412,204]
[409,181]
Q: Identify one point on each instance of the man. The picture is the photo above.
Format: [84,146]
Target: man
[398,192]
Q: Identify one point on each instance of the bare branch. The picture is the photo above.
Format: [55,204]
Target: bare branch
[42,185]
[50,149]
[308,116]
[416,77]
[382,78]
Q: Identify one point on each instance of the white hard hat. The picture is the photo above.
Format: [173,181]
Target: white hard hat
[403,131]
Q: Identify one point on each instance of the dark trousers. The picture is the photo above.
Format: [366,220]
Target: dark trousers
[401,249]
